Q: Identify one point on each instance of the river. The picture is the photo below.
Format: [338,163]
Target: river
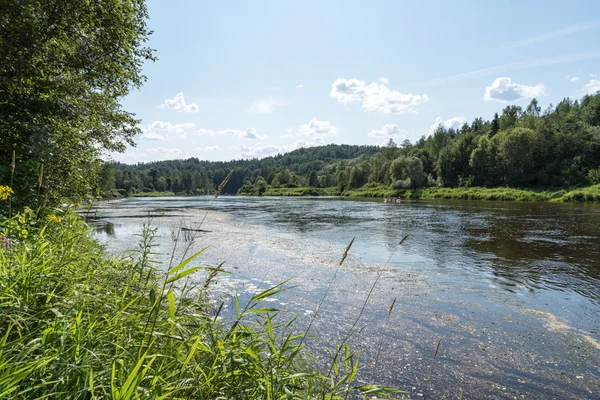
[510,290]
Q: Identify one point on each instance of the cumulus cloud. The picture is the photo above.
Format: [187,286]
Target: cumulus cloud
[249,133]
[266,106]
[204,132]
[319,128]
[150,135]
[163,152]
[374,96]
[158,129]
[208,148]
[504,90]
[574,79]
[178,103]
[592,87]
[455,123]
[388,130]
[267,150]
[261,151]
[384,80]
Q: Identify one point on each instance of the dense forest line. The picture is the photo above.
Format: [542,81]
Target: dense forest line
[520,148]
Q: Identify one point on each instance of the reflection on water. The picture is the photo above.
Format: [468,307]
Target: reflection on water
[473,266]
[106,227]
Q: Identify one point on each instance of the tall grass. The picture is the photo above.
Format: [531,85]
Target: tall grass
[76,324]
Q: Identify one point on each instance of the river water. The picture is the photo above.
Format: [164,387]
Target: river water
[510,290]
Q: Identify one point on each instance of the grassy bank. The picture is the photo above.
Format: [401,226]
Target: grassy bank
[590,194]
[587,194]
[76,324]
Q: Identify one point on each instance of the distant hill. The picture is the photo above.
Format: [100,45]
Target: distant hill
[198,176]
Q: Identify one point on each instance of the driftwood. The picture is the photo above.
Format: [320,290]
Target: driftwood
[193,230]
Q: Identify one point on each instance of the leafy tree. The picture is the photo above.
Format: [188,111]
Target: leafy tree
[65,67]
[414,170]
[107,180]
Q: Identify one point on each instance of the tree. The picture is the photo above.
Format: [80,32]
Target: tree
[414,170]
[65,67]
[107,179]
[495,125]
[313,180]
[390,149]
[398,168]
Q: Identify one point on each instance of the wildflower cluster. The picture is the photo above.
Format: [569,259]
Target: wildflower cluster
[5,192]
[54,218]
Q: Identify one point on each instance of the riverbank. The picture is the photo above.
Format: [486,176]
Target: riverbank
[80,323]
[586,194]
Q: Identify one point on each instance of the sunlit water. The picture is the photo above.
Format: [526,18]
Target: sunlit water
[511,289]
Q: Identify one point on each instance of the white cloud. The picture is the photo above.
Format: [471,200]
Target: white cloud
[178,103]
[149,135]
[387,131]
[286,137]
[593,75]
[504,90]
[299,86]
[205,132]
[375,97]
[319,128]
[208,148]
[384,80]
[166,153]
[261,151]
[249,133]
[455,122]
[267,150]
[574,79]
[592,87]
[158,129]
[266,106]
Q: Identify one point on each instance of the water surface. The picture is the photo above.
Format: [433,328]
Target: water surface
[511,289]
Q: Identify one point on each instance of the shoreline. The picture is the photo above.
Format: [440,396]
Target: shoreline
[584,194]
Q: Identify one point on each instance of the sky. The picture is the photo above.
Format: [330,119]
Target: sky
[246,79]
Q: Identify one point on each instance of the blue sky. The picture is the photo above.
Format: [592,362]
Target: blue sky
[254,78]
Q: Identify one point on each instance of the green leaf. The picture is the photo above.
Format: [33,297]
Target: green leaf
[186,262]
[171,298]
[183,274]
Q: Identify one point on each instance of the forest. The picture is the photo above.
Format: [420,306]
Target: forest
[518,148]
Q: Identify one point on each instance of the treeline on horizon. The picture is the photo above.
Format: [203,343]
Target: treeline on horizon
[521,148]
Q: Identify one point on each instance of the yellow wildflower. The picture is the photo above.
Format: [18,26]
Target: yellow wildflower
[28,209]
[5,192]
[54,218]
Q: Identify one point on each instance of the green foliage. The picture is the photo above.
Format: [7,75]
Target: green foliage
[78,325]
[65,67]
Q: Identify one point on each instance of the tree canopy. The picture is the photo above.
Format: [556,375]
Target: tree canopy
[66,65]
